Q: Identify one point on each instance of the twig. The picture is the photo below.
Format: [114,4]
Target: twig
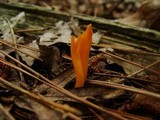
[28,30]
[126,50]
[96,114]
[133,63]
[139,71]
[15,45]
[143,69]
[124,87]
[60,90]
[19,45]
[127,77]
[1,41]
[130,75]
[74,117]
[49,84]
[56,87]
[7,115]
[39,98]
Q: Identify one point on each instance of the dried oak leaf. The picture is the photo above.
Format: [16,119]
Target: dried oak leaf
[28,59]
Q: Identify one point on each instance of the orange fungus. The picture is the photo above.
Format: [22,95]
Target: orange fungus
[80,49]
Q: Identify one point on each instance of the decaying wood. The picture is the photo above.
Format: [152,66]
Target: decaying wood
[146,16]
[45,18]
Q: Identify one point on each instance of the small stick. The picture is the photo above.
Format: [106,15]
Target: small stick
[28,30]
[58,88]
[19,45]
[41,99]
[126,50]
[133,63]
[19,50]
[15,45]
[143,68]
[96,114]
[127,77]
[67,93]
[6,114]
[124,87]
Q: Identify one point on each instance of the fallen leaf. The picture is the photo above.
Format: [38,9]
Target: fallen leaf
[26,108]
[6,33]
[44,113]
[96,37]
[51,57]
[28,59]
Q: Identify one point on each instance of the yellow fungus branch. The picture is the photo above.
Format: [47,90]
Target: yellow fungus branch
[80,49]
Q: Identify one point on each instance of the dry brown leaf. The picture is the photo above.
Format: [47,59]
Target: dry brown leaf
[34,110]
[51,57]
